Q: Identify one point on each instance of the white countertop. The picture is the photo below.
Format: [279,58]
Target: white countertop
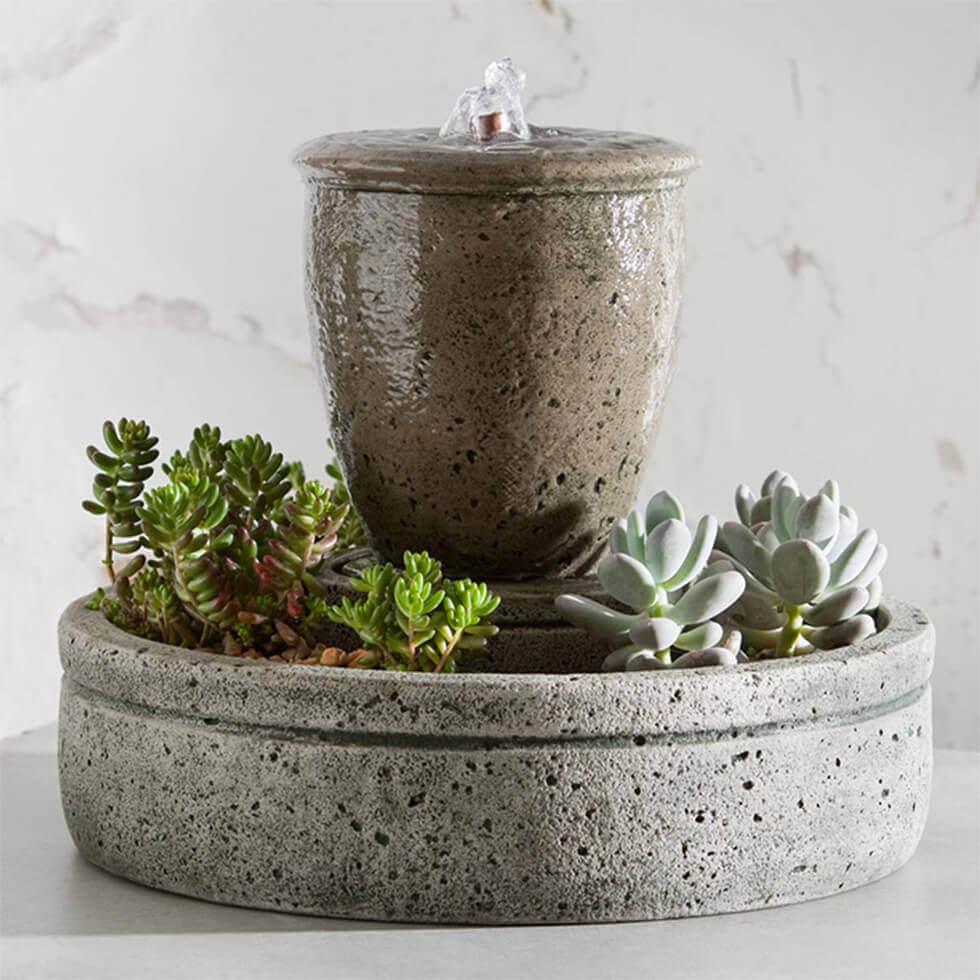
[60,917]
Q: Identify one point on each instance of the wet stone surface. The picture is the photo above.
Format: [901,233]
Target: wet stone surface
[495,359]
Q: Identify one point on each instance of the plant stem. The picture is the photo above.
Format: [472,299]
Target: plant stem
[447,652]
[107,561]
[655,611]
[791,632]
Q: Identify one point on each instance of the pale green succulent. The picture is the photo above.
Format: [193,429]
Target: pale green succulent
[754,510]
[659,570]
[812,575]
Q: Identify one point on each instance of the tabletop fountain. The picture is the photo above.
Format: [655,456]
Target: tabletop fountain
[494,312]
[629,718]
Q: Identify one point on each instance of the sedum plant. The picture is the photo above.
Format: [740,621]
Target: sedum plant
[223,553]
[669,594]
[223,556]
[414,619]
[124,465]
[812,574]
[351,534]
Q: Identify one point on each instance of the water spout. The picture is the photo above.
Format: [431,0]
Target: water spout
[483,113]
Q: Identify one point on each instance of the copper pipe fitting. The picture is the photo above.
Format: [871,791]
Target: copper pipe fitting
[488,125]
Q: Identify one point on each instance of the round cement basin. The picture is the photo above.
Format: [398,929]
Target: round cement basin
[495,798]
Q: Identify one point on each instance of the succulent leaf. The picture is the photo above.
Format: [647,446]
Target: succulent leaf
[666,548]
[721,565]
[786,504]
[628,580]
[874,595]
[842,634]
[596,618]
[619,538]
[708,598]
[658,633]
[818,520]
[832,489]
[744,502]
[773,480]
[838,606]
[697,555]
[872,570]
[661,507]
[747,550]
[635,536]
[708,634]
[846,533]
[854,558]
[799,571]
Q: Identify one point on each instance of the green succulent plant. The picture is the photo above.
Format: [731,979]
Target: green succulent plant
[305,531]
[205,454]
[145,603]
[223,556]
[124,466]
[812,574]
[754,510]
[183,524]
[224,552]
[659,571]
[413,619]
[352,534]
[255,480]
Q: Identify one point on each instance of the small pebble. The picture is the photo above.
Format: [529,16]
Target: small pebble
[644,660]
[732,640]
[712,657]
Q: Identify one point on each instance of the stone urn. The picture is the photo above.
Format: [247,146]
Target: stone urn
[494,329]
[496,798]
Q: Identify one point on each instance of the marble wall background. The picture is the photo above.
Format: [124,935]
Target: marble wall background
[150,251]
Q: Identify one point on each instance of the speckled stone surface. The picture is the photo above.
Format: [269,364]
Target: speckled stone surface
[495,797]
[494,329]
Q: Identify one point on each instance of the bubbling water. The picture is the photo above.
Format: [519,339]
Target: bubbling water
[484,112]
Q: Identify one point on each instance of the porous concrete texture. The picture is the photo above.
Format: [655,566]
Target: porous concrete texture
[495,798]
[494,329]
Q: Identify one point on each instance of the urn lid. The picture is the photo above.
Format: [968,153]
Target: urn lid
[551,161]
